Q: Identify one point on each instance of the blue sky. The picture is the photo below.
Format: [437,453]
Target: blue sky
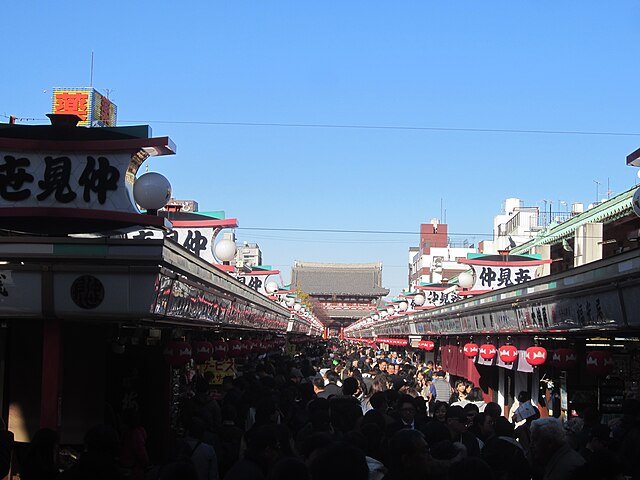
[525,65]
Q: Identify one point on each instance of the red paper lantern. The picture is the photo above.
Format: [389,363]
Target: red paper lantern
[470,350]
[177,353]
[220,349]
[202,351]
[536,355]
[427,345]
[235,348]
[488,351]
[599,362]
[564,358]
[508,353]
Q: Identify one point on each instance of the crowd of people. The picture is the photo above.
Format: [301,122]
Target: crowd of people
[346,412]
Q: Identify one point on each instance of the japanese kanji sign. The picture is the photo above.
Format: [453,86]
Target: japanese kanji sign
[439,297]
[490,277]
[198,240]
[499,271]
[66,180]
[94,109]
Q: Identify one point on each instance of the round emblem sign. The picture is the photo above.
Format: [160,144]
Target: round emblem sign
[87,292]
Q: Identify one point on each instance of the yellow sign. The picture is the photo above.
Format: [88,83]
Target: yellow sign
[220,369]
[94,109]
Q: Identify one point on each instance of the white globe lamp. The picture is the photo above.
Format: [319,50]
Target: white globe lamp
[152,191]
[419,299]
[635,202]
[465,279]
[225,250]
[391,310]
[403,305]
[375,317]
[290,301]
[271,287]
[297,307]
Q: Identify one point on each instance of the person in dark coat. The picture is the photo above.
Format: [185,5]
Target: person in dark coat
[6,448]
[457,423]
[406,415]
[41,462]
[99,460]
[550,450]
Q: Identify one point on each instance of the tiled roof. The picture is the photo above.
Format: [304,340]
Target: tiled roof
[339,279]
[607,212]
[353,314]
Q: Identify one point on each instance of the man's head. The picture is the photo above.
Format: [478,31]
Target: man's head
[456,420]
[408,455]
[318,385]
[350,386]
[382,365]
[470,411]
[338,461]
[406,408]
[547,436]
[296,375]
[379,401]
[493,409]
[331,377]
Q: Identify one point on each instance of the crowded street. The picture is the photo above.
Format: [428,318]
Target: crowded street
[284,240]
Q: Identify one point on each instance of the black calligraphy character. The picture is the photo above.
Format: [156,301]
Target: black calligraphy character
[588,311]
[255,283]
[56,179]
[13,176]
[432,297]
[487,276]
[195,241]
[3,289]
[173,235]
[142,234]
[599,314]
[99,180]
[505,277]
[522,275]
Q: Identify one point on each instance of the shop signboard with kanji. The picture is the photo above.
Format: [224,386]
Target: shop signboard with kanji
[66,180]
[437,295]
[196,239]
[498,271]
[93,108]
[70,180]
